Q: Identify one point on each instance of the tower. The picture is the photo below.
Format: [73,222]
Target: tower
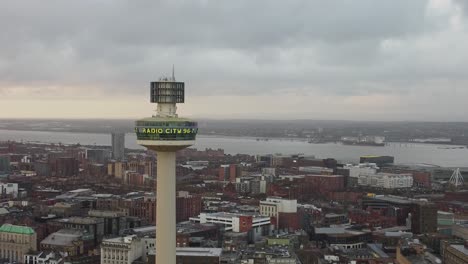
[118,146]
[166,133]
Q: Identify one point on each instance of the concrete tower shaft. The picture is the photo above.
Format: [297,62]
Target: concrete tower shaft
[166,133]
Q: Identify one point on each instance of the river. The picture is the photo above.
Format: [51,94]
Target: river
[403,153]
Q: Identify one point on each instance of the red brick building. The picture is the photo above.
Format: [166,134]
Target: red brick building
[187,206]
[289,221]
[372,218]
[352,197]
[421,179]
[324,184]
[66,167]
[134,178]
[245,223]
[229,172]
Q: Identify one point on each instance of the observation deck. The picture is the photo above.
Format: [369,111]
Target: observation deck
[166,131]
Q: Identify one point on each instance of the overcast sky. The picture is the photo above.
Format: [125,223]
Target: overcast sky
[340,59]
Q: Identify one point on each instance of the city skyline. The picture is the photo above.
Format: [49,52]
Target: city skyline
[402,61]
[311,131]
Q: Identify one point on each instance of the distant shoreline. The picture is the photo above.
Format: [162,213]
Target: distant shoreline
[295,139]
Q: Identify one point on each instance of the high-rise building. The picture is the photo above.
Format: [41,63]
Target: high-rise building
[166,133]
[424,218]
[118,146]
[187,206]
[4,164]
[229,172]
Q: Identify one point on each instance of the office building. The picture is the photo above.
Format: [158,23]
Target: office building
[274,205]
[423,218]
[71,242]
[234,222]
[66,167]
[126,250]
[118,146]
[284,212]
[187,206]
[386,180]
[198,255]
[229,172]
[4,164]
[324,184]
[121,250]
[355,171]
[419,215]
[94,226]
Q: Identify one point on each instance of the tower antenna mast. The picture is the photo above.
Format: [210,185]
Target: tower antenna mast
[173,74]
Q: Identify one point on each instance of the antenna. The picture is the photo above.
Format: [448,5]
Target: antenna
[173,75]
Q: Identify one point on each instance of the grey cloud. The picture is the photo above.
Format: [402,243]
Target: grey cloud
[220,47]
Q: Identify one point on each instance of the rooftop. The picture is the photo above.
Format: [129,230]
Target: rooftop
[460,248]
[80,220]
[125,240]
[392,199]
[24,230]
[64,237]
[324,176]
[199,252]
[232,215]
[337,231]
[80,190]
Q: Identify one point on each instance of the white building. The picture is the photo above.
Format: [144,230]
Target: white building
[274,205]
[386,180]
[291,177]
[361,169]
[196,164]
[234,222]
[269,171]
[43,257]
[121,250]
[9,189]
